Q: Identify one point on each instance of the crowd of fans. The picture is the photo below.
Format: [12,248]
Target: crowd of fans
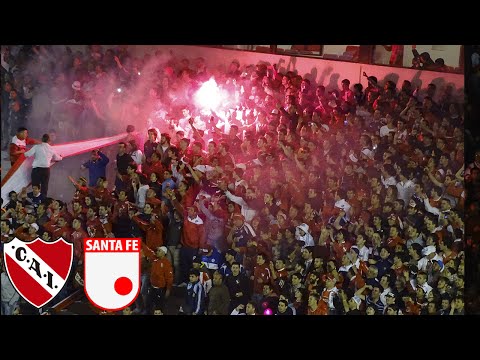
[287,198]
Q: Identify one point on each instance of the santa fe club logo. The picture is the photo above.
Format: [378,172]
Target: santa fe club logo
[38,270]
[112,272]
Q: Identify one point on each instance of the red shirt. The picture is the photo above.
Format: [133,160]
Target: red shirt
[161,273]
[193,234]
[14,148]
[318,311]
[77,239]
[154,167]
[120,209]
[153,232]
[57,231]
[260,272]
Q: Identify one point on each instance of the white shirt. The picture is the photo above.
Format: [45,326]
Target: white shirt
[307,239]
[383,295]
[389,181]
[423,262]
[384,130]
[137,156]
[405,190]
[44,154]
[363,253]
[18,142]
[142,195]
[246,211]
[426,288]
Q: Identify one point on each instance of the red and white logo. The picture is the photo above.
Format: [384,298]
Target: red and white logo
[112,272]
[38,270]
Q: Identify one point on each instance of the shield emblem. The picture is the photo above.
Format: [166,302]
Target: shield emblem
[112,272]
[38,270]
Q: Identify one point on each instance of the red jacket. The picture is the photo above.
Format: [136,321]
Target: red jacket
[102,195]
[23,235]
[153,232]
[193,233]
[14,148]
[94,228]
[57,231]
[261,272]
[120,210]
[77,240]
[156,168]
[161,274]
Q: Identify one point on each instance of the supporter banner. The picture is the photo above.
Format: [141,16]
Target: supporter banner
[19,174]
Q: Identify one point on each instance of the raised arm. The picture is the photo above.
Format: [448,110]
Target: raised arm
[433,180]
[429,207]
[236,199]
[103,158]
[204,210]
[194,176]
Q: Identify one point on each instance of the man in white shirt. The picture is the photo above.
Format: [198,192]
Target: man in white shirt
[43,155]
[405,188]
[389,127]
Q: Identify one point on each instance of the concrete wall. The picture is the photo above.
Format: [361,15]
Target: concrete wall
[321,72]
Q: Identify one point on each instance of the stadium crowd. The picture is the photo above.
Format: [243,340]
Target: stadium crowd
[285,198]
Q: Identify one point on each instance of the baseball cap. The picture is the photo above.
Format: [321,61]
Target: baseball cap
[163,248]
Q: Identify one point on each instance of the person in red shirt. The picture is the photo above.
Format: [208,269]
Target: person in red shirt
[94,226]
[105,219]
[279,275]
[394,238]
[58,228]
[101,192]
[346,95]
[31,233]
[153,227]
[19,143]
[78,211]
[155,166]
[155,202]
[161,278]
[313,305]
[193,238]
[261,275]
[121,207]
[326,302]
[77,237]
